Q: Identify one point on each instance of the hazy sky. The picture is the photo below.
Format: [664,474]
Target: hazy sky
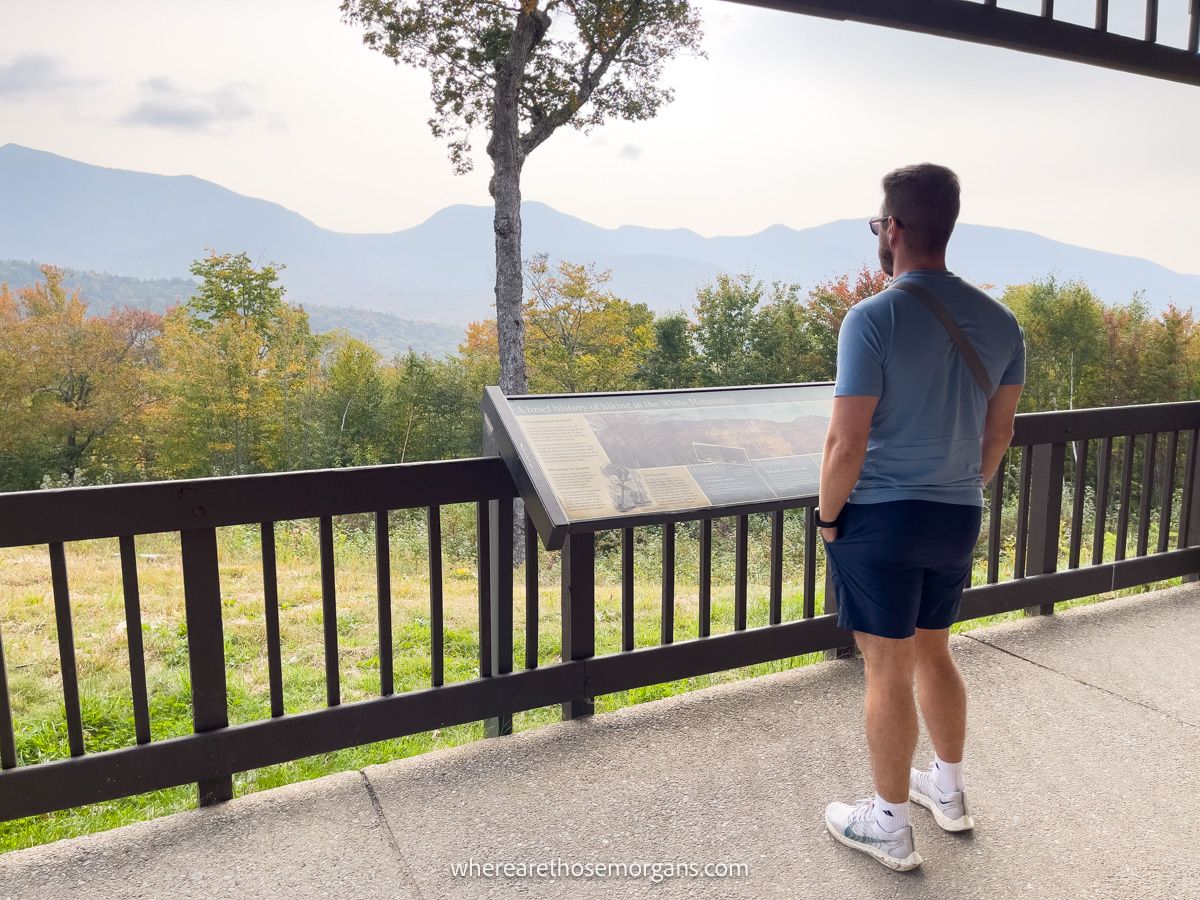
[789,120]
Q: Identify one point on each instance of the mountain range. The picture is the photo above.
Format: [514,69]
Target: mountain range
[86,217]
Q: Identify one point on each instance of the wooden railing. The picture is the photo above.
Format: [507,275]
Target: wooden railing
[1082,450]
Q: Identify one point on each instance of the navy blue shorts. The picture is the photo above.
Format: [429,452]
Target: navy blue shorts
[902,565]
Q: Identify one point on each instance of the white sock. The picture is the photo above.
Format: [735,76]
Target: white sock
[890,816]
[947,777]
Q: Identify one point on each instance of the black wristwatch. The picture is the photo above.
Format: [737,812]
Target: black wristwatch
[821,523]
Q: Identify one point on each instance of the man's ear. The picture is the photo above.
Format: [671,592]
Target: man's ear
[895,234]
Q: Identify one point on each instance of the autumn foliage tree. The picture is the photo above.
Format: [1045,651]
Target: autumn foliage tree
[239,369]
[1064,342]
[822,320]
[72,385]
[582,337]
[1171,355]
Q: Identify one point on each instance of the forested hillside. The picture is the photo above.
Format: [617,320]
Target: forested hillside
[385,332]
[234,380]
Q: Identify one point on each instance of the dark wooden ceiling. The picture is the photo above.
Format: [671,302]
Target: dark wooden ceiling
[982,21]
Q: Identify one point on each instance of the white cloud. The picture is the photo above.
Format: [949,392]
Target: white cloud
[34,75]
[165,105]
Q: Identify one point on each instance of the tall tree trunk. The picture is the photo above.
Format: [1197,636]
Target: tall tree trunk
[510,323]
[505,187]
[510,291]
[504,148]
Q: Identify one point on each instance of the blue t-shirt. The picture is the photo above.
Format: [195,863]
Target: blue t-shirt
[926,434]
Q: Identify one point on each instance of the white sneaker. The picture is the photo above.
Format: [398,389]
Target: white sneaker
[950,810]
[855,826]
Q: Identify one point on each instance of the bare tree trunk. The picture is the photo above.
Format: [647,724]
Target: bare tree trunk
[507,161]
[505,187]
[510,324]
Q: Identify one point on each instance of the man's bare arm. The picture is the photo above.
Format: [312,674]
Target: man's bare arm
[998,428]
[845,450]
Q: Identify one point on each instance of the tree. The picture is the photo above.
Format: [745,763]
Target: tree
[1064,329]
[780,351]
[827,306]
[16,388]
[239,372]
[725,316]
[581,337]
[352,394]
[1171,356]
[291,370]
[497,64]
[1124,338]
[232,289]
[431,410]
[672,363]
[73,384]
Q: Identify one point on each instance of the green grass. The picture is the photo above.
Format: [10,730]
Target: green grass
[30,639]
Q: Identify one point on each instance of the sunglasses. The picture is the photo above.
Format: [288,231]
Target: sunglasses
[878,221]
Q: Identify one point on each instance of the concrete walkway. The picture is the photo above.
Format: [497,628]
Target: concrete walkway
[1083,763]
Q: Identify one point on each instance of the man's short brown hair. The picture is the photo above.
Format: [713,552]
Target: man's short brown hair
[925,200]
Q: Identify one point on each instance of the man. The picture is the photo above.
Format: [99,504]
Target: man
[917,429]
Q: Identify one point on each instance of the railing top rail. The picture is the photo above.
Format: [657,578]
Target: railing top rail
[1099,422]
[73,514]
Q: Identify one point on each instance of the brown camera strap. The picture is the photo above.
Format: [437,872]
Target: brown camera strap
[965,347]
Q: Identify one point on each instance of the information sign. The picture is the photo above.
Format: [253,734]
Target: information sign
[589,462]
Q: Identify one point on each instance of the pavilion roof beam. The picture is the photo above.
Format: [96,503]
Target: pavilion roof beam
[987,23]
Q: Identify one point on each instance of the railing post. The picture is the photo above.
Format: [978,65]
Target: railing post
[1190,522]
[8,744]
[579,611]
[531,594]
[500,597]
[1193,523]
[1045,502]
[775,615]
[740,576]
[667,625]
[705,599]
[66,648]
[483,575]
[333,677]
[206,646]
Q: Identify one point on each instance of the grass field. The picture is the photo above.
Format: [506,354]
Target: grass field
[27,624]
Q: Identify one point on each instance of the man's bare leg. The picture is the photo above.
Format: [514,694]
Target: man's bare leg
[942,693]
[943,699]
[891,712]
[880,826]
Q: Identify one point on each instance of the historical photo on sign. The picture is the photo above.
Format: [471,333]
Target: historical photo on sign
[608,456]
